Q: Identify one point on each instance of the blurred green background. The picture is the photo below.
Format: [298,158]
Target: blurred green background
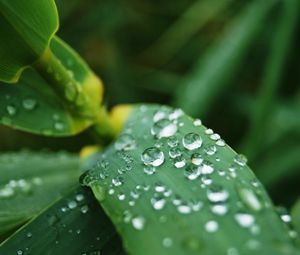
[235,64]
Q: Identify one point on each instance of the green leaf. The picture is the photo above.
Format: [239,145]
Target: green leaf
[29,181]
[27,27]
[33,99]
[75,224]
[205,200]
[213,71]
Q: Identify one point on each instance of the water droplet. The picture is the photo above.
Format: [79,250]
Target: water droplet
[125,142]
[192,141]
[158,202]
[29,103]
[184,208]
[211,226]
[179,162]
[240,159]
[121,196]
[192,172]
[118,181]
[197,122]
[209,131]
[79,197]
[20,252]
[167,242]
[175,152]
[219,209]
[176,114]
[210,149]
[138,222]
[216,194]
[244,219]
[163,128]
[153,156]
[72,204]
[215,137]
[59,126]
[149,170]
[250,199]
[196,159]
[28,234]
[159,187]
[220,143]
[11,110]
[172,141]
[206,167]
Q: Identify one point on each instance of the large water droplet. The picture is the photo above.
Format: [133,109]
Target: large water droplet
[153,156]
[192,141]
[163,128]
[125,142]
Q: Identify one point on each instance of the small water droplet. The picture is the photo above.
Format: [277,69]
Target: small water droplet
[197,159]
[192,141]
[179,162]
[197,122]
[138,222]
[149,170]
[79,197]
[167,242]
[216,194]
[117,181]
[59,126]
[11,110]
[245,220]
[184,208]
[153,156]
[158,202]
[206,167]
[210,149]
[240,159]
[220,143]
[125,142]
[175,152]
[29,103]
[84,209]
[72,204]
[28,234]
[219,209]
[163,128]
[211,226]
[192,172]
[249,198]
[121,196]
[172,141]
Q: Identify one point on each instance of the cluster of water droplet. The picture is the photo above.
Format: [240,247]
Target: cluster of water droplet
[168,146]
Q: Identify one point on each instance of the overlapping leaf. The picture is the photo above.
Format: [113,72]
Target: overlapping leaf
[30,181]
[75,224]
[27,27]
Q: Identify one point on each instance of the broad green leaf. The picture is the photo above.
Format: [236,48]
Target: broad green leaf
[27,27]
[75,224]
[32,105]
[30,181]
[213,71]
[172,186]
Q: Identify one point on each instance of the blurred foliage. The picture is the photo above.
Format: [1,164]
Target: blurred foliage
[145,51]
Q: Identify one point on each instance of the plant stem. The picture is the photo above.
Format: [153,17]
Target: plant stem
[74,97]
[271,78]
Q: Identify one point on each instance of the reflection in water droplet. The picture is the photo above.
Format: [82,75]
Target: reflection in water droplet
[179,162]
[163,128]
[206,167]
[175,152]
[118,181]
[172,141]
[138,222]
[197,159]
[192,141]
[153,156]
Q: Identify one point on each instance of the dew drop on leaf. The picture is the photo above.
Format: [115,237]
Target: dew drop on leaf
[192,141]
[245,220]
[125,142]
[211,226]
[29,103]
[11,110]
[163,128]
[138,222]
[153,156]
